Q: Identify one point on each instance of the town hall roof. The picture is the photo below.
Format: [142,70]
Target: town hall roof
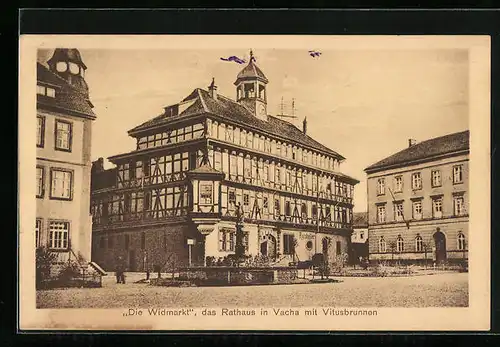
[422,151]
[233,112]
[67,97]
[251,71]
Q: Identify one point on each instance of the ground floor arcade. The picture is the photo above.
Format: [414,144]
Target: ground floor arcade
[182,244]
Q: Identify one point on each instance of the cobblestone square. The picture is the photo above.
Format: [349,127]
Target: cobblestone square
[437,290]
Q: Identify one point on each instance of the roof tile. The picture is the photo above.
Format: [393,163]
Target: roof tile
[67,97]
[234,112]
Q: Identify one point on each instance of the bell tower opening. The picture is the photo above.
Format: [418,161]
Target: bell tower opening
[68,64]
[251,89]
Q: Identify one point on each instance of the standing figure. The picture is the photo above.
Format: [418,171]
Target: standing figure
[120,271]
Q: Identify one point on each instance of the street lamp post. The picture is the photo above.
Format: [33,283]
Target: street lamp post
[239,249]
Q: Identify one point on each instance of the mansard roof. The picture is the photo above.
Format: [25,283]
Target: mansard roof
[67,98]
[234,113]
[425,150]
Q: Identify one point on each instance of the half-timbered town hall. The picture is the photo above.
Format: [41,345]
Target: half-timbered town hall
[174,198]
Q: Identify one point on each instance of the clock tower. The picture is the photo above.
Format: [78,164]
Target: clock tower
[251,89]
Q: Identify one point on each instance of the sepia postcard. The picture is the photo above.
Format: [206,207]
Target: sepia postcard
[254,183]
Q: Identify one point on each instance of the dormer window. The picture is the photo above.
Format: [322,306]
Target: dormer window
[47,91]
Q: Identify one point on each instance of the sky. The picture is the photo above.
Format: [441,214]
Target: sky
[364,104]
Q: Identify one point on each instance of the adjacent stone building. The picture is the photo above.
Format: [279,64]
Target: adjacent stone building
[173,199]
[418,202]
[359,237]
[63,164]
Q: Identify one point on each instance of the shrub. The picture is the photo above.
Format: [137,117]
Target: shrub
[70,271]
[44,261]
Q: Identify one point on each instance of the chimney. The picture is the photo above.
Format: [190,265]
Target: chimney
[212,89]
[412,142]
[98,165]
[304,125]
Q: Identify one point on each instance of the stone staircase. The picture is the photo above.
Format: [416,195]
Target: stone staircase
[93,266]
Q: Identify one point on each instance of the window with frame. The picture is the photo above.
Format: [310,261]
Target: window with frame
[63,135]
[267,145]
[232,197]
[229,134]
[458,174]
[206,190]
[247,171]
[265,203]
[461,242]
[226,240]
[400,245]
[288,244]
[40,178]
[398,211]
[218,160]
[288,209]
[458,206]
[222,240]
[58,235]
[436,178]
[437,207]
[277,207]
[416,181]
[417,209]
[382,245]
[246,200]
[380,214]
[303,210]
[38,233]
[233,162]
[398,184]
[61,184]
[419,244]
[249,140]
[314,211]
[47,91]
[277,175]
[40,131]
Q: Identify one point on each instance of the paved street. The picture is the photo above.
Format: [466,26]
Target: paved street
[443,290]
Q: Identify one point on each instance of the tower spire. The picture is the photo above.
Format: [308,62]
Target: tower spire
[251,55]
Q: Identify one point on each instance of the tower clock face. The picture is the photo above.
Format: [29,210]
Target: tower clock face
[261,110]
[61,66]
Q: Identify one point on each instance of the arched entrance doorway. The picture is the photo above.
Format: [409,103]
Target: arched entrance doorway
[439,246]
[268,246]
